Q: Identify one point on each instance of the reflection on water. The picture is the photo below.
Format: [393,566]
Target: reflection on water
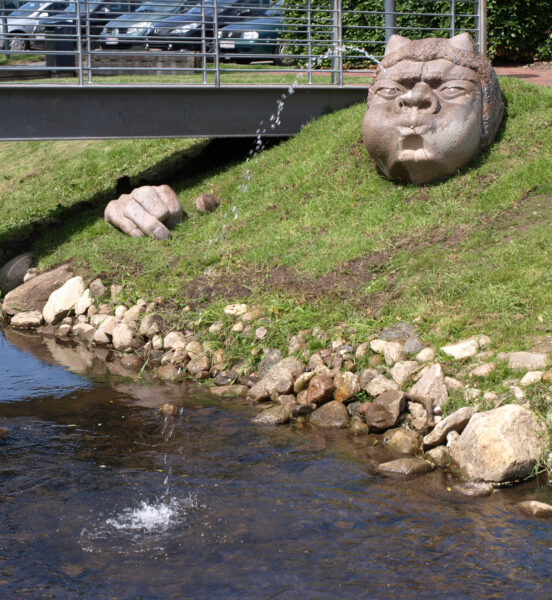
[97,503]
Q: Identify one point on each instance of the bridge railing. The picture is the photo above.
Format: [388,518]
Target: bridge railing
[214,42]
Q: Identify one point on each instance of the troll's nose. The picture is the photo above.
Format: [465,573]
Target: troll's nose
[421,97]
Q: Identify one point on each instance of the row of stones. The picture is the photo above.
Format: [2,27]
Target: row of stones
[323,387]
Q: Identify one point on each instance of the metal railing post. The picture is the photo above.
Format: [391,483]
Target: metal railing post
[452,18]
[309,41]
[390,19]
[336,45]
[215,42]
[88,46]
[482,22]
[79,40]
[203,44]
[4,28]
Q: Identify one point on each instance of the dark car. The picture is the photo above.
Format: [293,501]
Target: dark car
[254,38]
[130,29]
[99,13]
[185,32]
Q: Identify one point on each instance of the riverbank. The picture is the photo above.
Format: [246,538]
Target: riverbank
[326,255]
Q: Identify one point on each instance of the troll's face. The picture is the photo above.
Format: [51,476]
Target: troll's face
[427,110]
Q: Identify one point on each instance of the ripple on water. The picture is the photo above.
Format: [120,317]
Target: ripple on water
[146,525]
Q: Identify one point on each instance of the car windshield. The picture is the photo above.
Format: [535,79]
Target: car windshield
[221,6]
[28,8]
[161,7]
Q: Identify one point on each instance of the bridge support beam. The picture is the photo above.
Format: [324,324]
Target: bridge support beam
[47,112]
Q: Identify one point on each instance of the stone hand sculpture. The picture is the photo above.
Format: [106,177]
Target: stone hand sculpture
[149,210]
[433,105]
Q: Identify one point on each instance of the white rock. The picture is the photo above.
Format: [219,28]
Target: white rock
[27,320]
[528,361]
[174,340]
[463,349]
[62,300]
[83,303]
[502,444]
[379,385]
[430,387]
[238,327]
[454,384]
[426,355]
[133,313]
[123,338]
[216,327]
[402,371]
[484,341]
[517,392]
[490,396]
[235,310]
[84,331]
[454,422]
[471,394]
[531,377]
[392,352]
[261,333]
[96,320]
[120,311]
[378,346]
[483,370]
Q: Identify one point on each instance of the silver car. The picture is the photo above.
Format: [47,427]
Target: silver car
[22,22]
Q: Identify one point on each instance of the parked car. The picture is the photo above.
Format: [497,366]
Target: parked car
[131,29]
[184,32]
[259,36]
[21,23]
[99,13]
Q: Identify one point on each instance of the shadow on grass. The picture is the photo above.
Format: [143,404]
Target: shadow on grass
[180,170]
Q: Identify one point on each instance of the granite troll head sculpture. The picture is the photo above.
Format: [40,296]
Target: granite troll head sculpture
[433,105]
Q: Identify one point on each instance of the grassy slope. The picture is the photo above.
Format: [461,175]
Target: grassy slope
[467,255]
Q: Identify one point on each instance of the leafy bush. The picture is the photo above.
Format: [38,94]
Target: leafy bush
[515,27]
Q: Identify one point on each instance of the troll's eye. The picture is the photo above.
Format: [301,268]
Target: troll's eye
[451,91]
[387,92]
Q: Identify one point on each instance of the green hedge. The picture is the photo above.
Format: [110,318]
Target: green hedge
[516,28]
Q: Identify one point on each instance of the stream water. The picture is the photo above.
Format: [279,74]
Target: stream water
[101,498]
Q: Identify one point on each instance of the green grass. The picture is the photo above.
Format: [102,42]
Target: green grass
[19,59]
[463,256]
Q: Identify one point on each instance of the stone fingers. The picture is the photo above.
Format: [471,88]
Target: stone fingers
[145,221]
[114,214]
[175,212]
[151,201]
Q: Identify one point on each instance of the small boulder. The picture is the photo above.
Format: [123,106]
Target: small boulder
[439,456]
[502,444]
[402,441]
[378,385]
[332,414]
[533,508]
[83,303]
[463,349]
[27,320]
[454,422]
[321,389]
[97,288]
[275,415]
[530,378]
[526,361]
[12,274]
[123,338]
[229,391]
[405,467]
[206,203]
[473,489]
[62,300]
[174,340]
[347,385]
[34,294]
[403,370]
[430,389]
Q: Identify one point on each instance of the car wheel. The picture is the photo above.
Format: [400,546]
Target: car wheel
[18,44]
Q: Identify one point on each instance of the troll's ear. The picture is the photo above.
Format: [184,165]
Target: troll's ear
[395,42]
[463,41]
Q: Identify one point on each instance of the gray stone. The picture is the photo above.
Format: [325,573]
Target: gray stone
[12,274]
[263,389]
[272,357]
[347,385]
[275,415]
[168,372]
[321,389]
[473,489]
[403,441]
[483,370]
[426,355]
[383,413]
[27,320]
[413,345]
[430,389]
[302,382]
[150,325]
[399,331]
[174,340]
[229,391]
[198,364]
[403,370]
[502,444]
[34,294]
[84,331]
[332,414]
[533,508]
[463,349]
[97,288]
[439,456]
[526,361]
[62,300]
[454,422]
[380,384]
[123,338]
[405,467]
[206,203]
